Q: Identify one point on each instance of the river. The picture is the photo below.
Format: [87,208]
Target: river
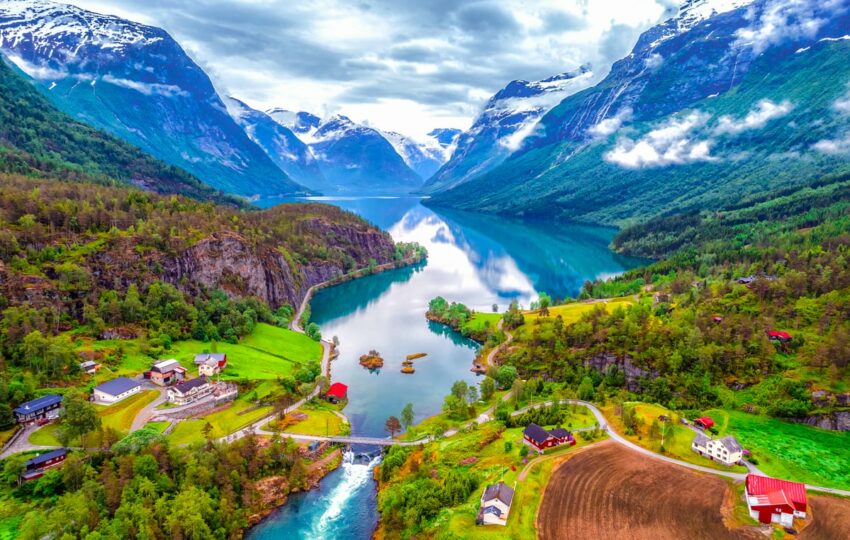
[474,259]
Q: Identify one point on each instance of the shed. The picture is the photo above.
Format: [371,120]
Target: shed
[704,422]
[337,392]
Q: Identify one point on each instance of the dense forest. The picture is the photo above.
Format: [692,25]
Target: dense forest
[37,139]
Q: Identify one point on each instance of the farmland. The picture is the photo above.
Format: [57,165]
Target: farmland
[610,492]
[572,312]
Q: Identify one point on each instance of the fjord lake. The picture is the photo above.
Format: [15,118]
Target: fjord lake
[478,260]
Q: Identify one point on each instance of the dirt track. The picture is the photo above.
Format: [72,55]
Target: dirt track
[610,492]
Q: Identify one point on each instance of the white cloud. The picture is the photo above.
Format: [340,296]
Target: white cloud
[671,144]
[610,125]
[146,88]
[758,117]
[782,20]
[37,72]
[654,61]
[842,104]
[833,146]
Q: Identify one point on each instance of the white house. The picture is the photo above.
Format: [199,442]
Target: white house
[190,391]
[726,450]
[116,390]
[209,367]
[495,505]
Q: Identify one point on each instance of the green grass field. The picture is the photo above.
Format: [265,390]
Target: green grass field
[320,421]
[159,427]
[6,435]
[571,313]
[266,354]
[120,415]
[790,451]
[480,321]
[45,436]
[223,423]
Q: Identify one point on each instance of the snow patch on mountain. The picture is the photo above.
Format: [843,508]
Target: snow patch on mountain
[302,123]
[692,13]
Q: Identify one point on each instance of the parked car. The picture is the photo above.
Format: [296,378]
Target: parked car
[684,421]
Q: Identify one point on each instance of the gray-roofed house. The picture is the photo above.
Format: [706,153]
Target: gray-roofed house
[115,390]
[495,504]
[726,450]
[210,364]
[190,391]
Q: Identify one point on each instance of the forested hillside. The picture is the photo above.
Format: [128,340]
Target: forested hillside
[37,139]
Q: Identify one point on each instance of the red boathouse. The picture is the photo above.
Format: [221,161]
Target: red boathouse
[337,392]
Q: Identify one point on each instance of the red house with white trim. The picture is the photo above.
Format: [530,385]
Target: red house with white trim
[540,439]
[337,392]
[771,500]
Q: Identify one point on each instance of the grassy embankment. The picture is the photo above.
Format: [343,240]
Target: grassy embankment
[322,419]
[238,415]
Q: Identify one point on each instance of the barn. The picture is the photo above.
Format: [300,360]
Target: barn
[771,500]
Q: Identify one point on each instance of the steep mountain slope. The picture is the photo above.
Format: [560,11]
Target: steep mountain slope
[279,143]
[135,82]
[354,159]
[507,119]
[424,157]
[730,98]
[36,139]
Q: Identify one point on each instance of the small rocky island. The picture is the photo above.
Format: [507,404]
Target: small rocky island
[372,360]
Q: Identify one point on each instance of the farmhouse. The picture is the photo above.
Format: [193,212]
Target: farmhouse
[337,392]
[704,422]
[36,466]
[190,391]
[771,500]
[210,364]
[116,390]
[495,505]
[89,367]
[48,406]
[166,373]
[540,439]
[727,450]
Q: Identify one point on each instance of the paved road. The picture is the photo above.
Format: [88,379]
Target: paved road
[22,444]
[145,414]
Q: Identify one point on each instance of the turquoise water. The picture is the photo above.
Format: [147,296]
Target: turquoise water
[477,260]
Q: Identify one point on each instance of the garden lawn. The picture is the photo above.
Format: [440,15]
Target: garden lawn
[120,416]
[223,423]
[45,436]
[791,451]
[320,421]
[678,448]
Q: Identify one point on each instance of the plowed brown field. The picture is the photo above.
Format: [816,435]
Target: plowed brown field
[610,492]
[830,519]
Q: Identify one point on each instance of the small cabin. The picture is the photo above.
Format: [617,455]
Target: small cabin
[704,422]
[781,337]
[36,466]
[337,392]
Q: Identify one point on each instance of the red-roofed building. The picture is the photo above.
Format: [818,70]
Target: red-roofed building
[779,336]
[705,422]
[771,500]
[337,392]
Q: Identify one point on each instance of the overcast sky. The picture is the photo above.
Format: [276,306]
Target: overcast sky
[403,65]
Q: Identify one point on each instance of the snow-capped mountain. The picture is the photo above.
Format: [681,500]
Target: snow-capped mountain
[424,157]
[279,143]
[507,119]
[302,123]
[353,158]
[136,82]
[726,99]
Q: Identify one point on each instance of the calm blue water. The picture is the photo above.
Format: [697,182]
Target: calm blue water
[477,260]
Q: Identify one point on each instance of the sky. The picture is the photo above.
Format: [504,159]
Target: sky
[400,65]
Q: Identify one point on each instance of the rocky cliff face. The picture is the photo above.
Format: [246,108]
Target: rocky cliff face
[632,373]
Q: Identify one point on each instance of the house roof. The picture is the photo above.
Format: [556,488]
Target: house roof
[701,440]
[117,386]
[764,485]
[187,386]
[499,491]
[337,390]
[778,334]
[164,366]
[41,459]
[39,403]
[536,433]
[87,364]
[560,433]
[201,358]
[731,444]
[495,510]
[706,421]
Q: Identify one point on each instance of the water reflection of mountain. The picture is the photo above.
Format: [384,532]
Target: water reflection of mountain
[356,295]
[556,258]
